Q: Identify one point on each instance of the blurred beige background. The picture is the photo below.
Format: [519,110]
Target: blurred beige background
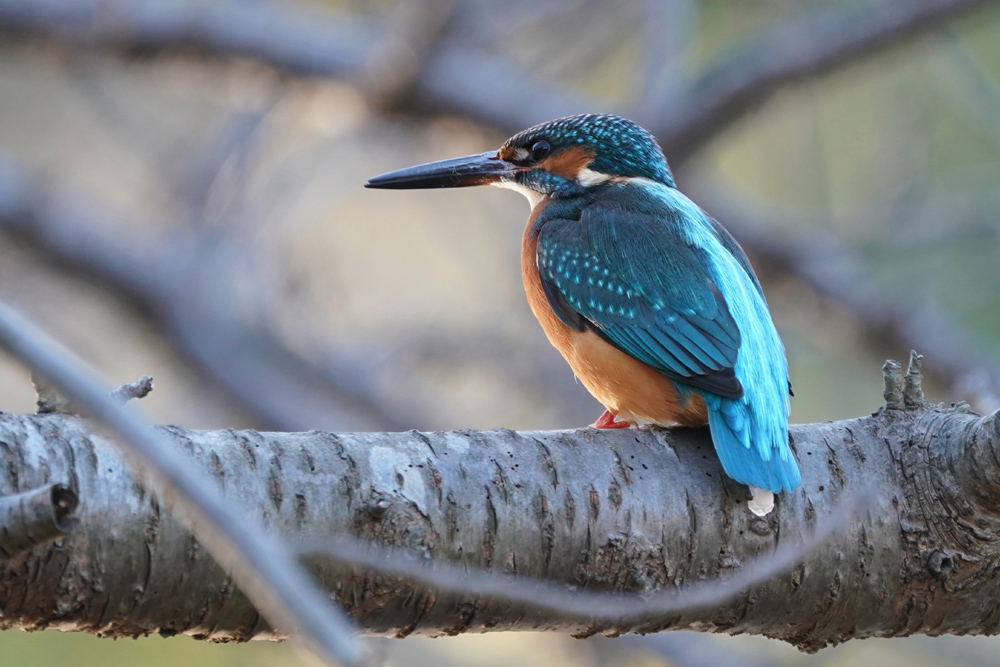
[419,293]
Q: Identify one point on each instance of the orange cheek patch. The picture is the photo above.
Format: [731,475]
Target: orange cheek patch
[507,154]
[568,162]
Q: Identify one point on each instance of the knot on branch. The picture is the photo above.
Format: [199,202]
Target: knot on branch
[903,392]
[35,518]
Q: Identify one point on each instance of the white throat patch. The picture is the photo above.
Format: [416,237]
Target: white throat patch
[533,197]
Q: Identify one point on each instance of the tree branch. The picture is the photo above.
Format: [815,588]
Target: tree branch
[263,567]
[582,604]
[633,512]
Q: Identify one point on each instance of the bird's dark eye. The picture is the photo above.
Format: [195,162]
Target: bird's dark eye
[539,150]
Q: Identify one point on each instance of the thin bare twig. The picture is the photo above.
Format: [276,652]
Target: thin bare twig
[587,604]
[261,566]
[138,389]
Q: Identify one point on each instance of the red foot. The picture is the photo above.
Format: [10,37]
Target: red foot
[607,420]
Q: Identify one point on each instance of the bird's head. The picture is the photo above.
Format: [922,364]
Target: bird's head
[563,156]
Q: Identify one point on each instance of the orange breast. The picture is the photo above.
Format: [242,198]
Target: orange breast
[627,387]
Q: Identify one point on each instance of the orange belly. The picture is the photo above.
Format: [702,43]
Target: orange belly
[628,388]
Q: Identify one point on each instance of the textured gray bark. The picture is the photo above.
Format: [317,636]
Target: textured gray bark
[632,511]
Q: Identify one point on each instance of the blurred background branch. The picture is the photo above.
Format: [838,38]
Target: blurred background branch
[687,118]
[411,53]
[180,283]
[198,165]
[412,61]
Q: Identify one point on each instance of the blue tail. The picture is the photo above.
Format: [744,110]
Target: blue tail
[750,433]
[753,447]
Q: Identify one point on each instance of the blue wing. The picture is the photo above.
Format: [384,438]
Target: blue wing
[664,283]
[671,317]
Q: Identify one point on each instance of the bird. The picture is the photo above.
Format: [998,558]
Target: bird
[653,304]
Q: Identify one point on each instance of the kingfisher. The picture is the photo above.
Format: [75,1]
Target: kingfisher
[651,301]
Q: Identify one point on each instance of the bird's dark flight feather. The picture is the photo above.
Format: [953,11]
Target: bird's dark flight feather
[559,306]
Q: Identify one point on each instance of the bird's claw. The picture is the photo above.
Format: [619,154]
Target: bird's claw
[607,420]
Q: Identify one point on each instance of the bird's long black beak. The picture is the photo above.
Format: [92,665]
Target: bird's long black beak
[457,172]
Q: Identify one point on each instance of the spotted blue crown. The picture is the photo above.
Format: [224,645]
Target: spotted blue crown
[622,148]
